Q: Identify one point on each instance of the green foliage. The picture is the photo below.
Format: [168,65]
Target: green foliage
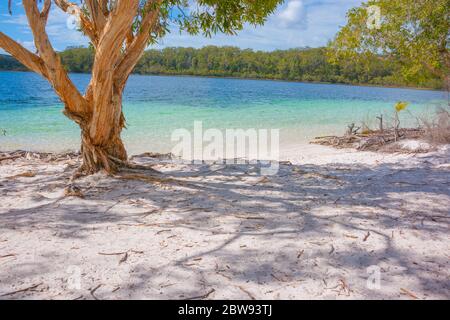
[415,33]
[294,65]
[400,106]
[308,64]
[78,59]
[212,16]
[202,16]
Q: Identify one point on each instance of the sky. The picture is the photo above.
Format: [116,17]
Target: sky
[296,23]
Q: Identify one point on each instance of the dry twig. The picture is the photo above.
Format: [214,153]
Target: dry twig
[202,296]
[22,290]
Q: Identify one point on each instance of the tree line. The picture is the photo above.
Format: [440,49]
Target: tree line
[8,63]
[302,64]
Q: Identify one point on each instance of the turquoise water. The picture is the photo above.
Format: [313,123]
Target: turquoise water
[155,106]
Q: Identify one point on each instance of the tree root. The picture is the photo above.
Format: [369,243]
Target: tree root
[79,173]
[133,166]
[118,166]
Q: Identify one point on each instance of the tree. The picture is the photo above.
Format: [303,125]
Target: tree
[415,32]
[119,31]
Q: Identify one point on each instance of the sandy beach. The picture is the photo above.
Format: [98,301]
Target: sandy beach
[332,224]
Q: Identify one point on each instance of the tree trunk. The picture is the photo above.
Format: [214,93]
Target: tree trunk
[118,44]
[102,148]
[101,157]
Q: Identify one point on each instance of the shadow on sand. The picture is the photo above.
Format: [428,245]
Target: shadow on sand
[308,232]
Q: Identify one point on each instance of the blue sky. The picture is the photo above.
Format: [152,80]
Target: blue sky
[297,23]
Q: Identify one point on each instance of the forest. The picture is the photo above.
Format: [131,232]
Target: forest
[8,63]
[301,64]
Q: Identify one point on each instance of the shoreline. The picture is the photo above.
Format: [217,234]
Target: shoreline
[301,152]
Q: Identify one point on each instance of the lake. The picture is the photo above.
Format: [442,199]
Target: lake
[155,106]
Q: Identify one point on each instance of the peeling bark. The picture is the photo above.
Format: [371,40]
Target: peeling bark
[118,47]
[101,145]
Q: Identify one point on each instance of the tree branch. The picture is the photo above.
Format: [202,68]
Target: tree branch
[28,59]
[109,48]
[76,106]
[97,14]
[136,48]
[46,10]
[104,7]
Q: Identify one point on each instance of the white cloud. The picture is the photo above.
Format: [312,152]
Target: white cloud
[296,24]
[59,32]
[19,19]
[28,45]
[293,14]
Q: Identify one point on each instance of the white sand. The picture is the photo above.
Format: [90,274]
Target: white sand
[311,232]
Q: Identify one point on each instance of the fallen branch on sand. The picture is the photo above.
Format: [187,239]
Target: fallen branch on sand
[202,296]
[10,158]
[247,293]
[408,293]
[93,291]
[249,217]
[124,254]
[371,140]
[26,174]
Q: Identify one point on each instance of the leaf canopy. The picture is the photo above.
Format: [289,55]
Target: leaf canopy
[416,32]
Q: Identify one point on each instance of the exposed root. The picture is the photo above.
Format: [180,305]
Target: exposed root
[79,173]
[96,159]
[133,166]
[158,156]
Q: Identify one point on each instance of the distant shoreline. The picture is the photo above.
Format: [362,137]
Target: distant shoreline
[291,81]
[262,79]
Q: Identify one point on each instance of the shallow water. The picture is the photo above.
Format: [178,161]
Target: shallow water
[155,106]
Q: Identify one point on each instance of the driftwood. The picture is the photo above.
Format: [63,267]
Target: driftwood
[10,158]
[371,140]
[14,155]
